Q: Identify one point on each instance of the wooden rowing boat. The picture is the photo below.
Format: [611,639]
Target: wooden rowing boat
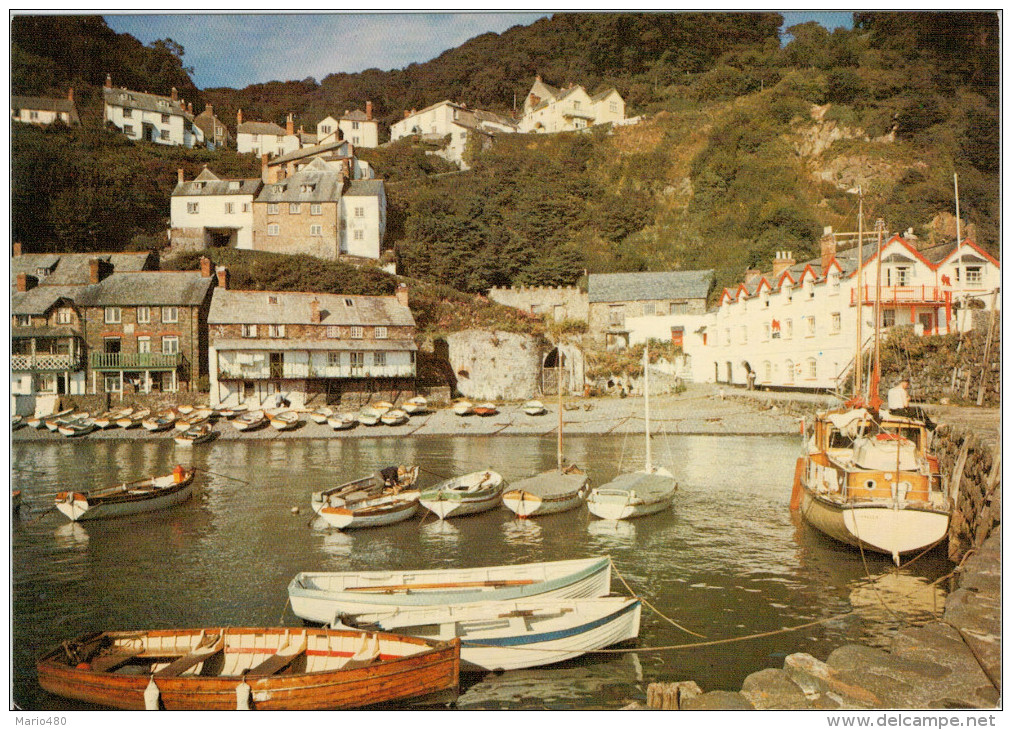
[186,409]
[42,421]
[394,417]
[391,480]
[53,423]
[342,421]
[133,419]
[507,635]
[76,427]
[319,597]
[547,493]
[160,422]
[416,405]
[197,417]
[196,435]
[485,409]
[146,495]
[463,407]
[249,668]
[381,406]
[384,510]
[230,412]
[534,408]
[369,417]
[469,494]
[284,421]
[249,421]
[320,415]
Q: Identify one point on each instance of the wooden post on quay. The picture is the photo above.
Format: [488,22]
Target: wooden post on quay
[670,695]
[987,350]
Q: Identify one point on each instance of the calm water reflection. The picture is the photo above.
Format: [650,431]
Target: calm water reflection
[728,560]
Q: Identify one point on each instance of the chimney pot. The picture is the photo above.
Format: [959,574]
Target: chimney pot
[368,110]
[209,110]
[70,94]
[205,266]
[782,263]
[222,273]
[175,94]
[17,248]
[180,178]
[402,294]
[238,118]
[289,125]
[94,271]
[314,311]
[26,282]
[108,81]
[406,114]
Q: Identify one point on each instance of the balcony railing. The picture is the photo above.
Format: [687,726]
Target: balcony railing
[902,294]
[135,361]
[299,371]
[41,362]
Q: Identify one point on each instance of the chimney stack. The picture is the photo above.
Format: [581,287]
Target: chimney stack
[752,276]
[402,294]
[208,110]
[17,248]
[180,179]
[406,114]
[26,282]
[205,266]
[828,248]
[175,94]
[314,311]
[782,262]
[94,271]
[238,118]
[222,273]
[289,125]
[368,110]
[108,81]
[70,94]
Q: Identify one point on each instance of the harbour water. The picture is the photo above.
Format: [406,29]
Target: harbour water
[728,560]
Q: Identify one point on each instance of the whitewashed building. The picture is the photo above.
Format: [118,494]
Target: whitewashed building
[797,327]
[548,109]
[308,348]
[355,126]
[45,111]
[265,138]
[363,218]
[435,122]
[152,118]
[209,211]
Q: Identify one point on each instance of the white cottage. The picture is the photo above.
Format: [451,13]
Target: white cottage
[146,117]
[212,211]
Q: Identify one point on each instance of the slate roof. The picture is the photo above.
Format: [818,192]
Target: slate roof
[208,122]
[364,188]
[144,101]
[309,152]
[45,104]
[172,288]
[326,186]
[40,299]
[254,307]
[328,344]
[603,94]
[484,116]
[207,183]
[261,128]
[647,285]
[70,269]
[356,116]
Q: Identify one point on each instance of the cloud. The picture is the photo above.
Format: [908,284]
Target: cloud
[241,49]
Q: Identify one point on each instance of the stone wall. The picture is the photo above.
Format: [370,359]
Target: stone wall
[187,239]
[571,299]
[973,466]
[496,365]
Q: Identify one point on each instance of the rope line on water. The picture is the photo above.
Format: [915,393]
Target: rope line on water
[651,606]
[223,476]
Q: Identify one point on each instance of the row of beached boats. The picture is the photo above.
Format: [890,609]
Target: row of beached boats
[390,636]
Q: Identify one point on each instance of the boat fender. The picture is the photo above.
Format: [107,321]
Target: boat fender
[799,469]
[178,473]
[242,696]
[151,695]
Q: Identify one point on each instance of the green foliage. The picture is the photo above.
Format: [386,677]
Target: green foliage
[628,362]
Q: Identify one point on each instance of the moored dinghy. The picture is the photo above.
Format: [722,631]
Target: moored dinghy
[197,417]
[109,419]
[319,597]
[639,493]
[249,668]
[391,480]
[76,426]
[54,422]
[369,417]
[505,635]
[416,405]
[385,510]
[485,409]
[464,495]
[145,495]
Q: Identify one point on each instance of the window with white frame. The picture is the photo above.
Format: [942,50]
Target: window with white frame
[359,236]
[113,315]
[23,320]
[379,359]
[334,359]
[229,208]
[357,362]
[380,333]
[810,326]
[788,293]
[273,229]
[789,371]
[974,274]
[170,345]
[356,332]
[813,367]
[112,384]
[678,307]
[164,134]
[64,315]
[898,275]
[143,315]
[834,284]
[767,371]
[316,230]
[294,208]
[359,212]
[128,130]
[616,315]
[275,330]
[128,113]
[888,317]
[245,207]
[354,125]
[333,332]
[143,344]
[249,330]
[649,308]
[613,107]
[193,208]
[170,315]
[315,209]
[46,382]
[272,209]
[788,329]
[835,323]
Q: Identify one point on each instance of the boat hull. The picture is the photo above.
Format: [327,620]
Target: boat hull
[78,508]
[345,518]
[453,506]
[529,503]
[395,677]
[877,527]
[619,508]
[569,580]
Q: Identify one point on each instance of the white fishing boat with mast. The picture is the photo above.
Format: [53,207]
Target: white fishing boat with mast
[639,493]
[558,490]
[867,477]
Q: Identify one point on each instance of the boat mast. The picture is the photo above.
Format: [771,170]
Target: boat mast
[955,182]
[858,365]
[646,402]
[873,400]
[558,382]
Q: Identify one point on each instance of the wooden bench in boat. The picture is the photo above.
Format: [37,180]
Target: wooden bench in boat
[198,655]
[277,662]
[405,588]
[113,660]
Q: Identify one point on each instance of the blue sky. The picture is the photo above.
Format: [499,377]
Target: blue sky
[241,49]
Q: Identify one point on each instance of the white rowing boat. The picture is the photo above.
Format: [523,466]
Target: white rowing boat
[391,480]
[321,415]
[385,510]
[463,407]
[342,421]
[285,421]
[196,435]
[127,499]
[394,417]
[160,422]
[249,420]
[76,427]
[134,419]
[416,405]
[534,408]
[318,597]
[506,635]
[369,417]
[469,494]
[197,417]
